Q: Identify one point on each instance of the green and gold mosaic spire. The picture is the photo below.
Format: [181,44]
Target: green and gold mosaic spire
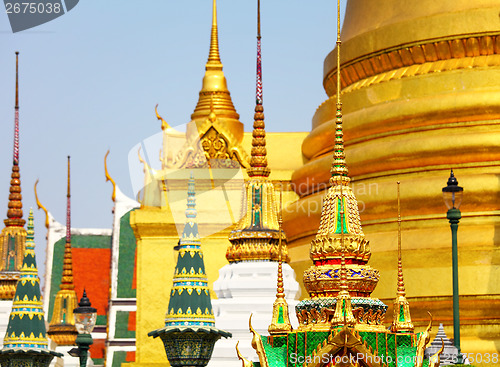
[190,297]
[340,281]
[189,334]
[26,334]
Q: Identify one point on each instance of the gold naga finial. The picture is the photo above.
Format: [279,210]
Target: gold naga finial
[164,124]
[280,323]
[343,309]
[40,206]
[244,362]
[422,343]
[213,55]
[339,166]
[257,344]
[108,177]
[401,321]
[434,360]
[258,161]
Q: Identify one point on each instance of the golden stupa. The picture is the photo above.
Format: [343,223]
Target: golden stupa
[419,84]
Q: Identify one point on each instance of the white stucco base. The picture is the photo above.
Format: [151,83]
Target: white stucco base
[245,288]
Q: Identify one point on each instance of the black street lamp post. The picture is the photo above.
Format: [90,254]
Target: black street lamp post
[85,318]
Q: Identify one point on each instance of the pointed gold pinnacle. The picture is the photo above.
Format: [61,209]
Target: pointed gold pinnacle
[280,323]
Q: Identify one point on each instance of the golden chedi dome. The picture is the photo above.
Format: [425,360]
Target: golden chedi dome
[420,94]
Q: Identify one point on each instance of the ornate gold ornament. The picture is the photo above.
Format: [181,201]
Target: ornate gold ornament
[423,342]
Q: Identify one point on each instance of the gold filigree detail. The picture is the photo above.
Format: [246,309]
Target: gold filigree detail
[324,280]
[411,60]
[343,342]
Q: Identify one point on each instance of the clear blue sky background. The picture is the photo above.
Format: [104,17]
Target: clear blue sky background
[89,81]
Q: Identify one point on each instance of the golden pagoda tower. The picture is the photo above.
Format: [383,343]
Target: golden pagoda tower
[419,85]
[340,253]
[13,235]
[62,324]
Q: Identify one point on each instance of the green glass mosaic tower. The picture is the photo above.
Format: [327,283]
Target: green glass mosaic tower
[189,334]
[25,342]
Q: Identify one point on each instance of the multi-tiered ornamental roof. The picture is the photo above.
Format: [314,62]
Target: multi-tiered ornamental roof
[341,324]
[13,235]
[189,334]
[257,235]
[25,342]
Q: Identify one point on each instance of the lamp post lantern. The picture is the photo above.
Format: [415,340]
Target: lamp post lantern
[85,318]
[452,195]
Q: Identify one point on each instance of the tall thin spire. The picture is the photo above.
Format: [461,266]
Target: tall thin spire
[256,235]
[67,278]
[401,321]
[62,324]
[15,211]
[339,167]
[213,54]
[280,323]
[16,118]
[401,283]
[13,236]
[258,160]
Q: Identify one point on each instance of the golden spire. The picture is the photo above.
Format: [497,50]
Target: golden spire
[280,323]
[401,321]
[339,167]
[108,177]
[256,235]
[258,161]
[62,325]
[13,236]
[40,206]
[214,84]
[213,55]
[339,218]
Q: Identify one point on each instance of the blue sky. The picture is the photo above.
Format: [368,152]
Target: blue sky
[89,82]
